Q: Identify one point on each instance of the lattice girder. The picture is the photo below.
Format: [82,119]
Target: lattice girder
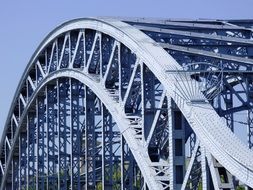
[95,101]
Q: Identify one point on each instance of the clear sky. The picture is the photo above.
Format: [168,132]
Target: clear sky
[23,25]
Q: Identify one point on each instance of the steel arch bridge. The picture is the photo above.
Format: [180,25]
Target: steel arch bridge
[133,104]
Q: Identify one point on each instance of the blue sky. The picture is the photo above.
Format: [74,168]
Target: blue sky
[25,23]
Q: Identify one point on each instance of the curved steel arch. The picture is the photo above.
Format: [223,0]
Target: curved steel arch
[207,125]
[108,101]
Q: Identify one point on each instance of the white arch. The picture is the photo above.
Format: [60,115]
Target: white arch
[206,123]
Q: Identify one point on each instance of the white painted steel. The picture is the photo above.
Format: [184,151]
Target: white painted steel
[208,126]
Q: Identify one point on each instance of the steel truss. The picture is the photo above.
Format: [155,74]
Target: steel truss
[133,104]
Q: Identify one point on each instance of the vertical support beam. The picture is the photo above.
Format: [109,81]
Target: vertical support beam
[71,129]
[171,145]
[59,133]
[97,142]
[107,151]
[31,134]
[76,97]
[122,164]
[15,172]
[63,133]
[38,136]
[51,136]
[127,166]
[41,142]
[137,177]
[112,158]
[192,142]
[46,163]
[15,160]
[178,122]
[90,138]
[204,169]
[249,94]
[250,128]
[249,116]
[23,160]
[86,139]
[28,145]
[148,99]
[103,141]
[83,139]
[228,99]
